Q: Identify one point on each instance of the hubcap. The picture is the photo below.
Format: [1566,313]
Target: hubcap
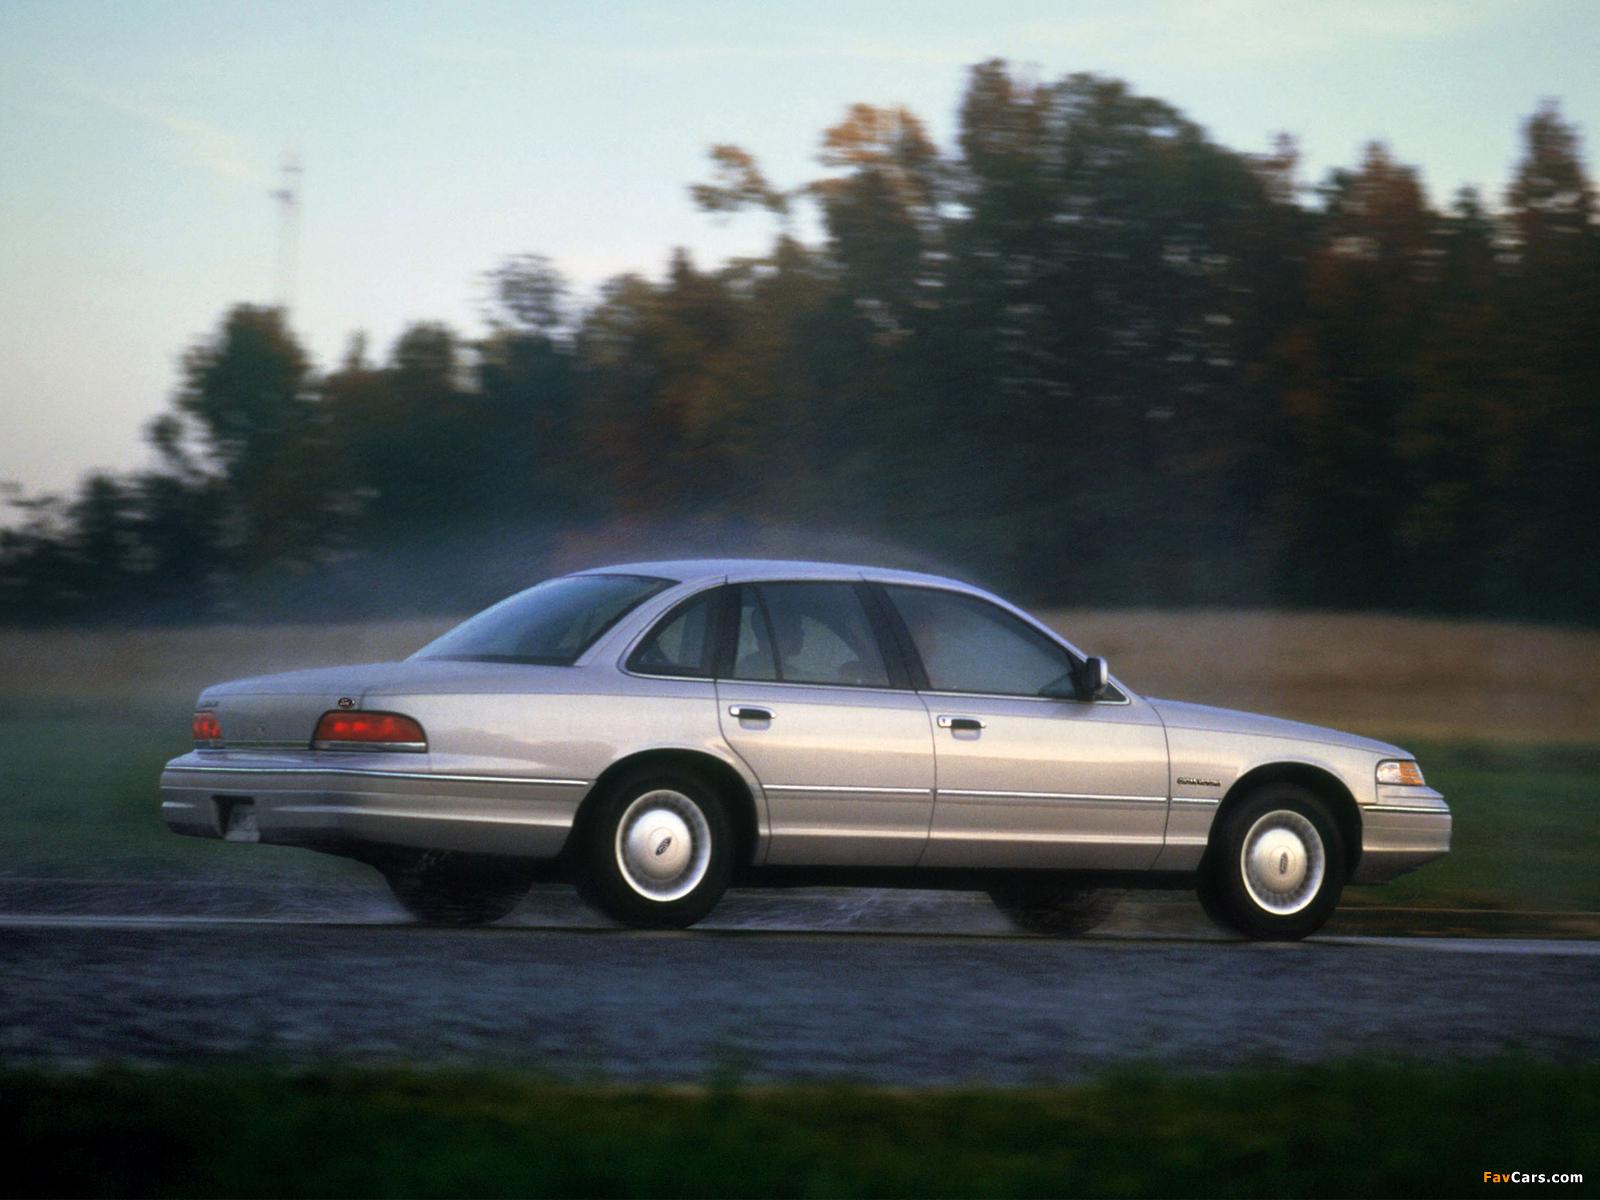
[1283,862]
[663,845]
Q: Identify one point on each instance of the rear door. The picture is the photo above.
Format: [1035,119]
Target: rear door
[829,726]
[1027,780]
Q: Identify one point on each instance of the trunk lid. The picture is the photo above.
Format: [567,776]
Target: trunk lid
[281,711]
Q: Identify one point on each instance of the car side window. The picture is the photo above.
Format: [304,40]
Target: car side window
[683,642]
[969,645]
[808,633]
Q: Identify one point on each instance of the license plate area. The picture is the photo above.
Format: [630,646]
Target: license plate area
[237,816]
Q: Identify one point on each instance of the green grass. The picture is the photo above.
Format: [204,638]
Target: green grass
[1355,1129]
[78,797]
[1526,829]
[79,784]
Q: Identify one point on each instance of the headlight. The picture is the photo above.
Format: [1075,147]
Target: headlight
[1400,770]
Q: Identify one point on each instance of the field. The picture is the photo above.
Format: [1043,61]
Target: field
[1399,678]
[1505,720]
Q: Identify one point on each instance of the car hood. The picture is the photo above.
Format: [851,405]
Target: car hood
[1177,714]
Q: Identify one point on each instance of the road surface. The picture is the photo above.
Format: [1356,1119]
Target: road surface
[761,1004]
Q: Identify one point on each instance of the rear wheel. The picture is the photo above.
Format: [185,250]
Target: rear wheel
[442,888]
[658,850]
[1276,865]
[1055,909]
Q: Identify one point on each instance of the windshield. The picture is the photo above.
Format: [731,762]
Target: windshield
[550,624]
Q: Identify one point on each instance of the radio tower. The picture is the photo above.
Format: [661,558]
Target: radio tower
[288,198]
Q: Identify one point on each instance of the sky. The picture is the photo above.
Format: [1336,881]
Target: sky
[141,144]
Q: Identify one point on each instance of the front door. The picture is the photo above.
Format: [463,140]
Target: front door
[1025,779]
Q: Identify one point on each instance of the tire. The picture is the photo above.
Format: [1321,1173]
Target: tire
[438,887]
[1055,909]
[657,851]
[1276,865]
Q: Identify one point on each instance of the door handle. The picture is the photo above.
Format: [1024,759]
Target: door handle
[749,712]
[960,724]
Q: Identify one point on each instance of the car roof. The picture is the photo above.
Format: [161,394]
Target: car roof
[689,572]
[737,570]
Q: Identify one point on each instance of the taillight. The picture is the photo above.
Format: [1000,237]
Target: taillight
[207,731]
[368,731]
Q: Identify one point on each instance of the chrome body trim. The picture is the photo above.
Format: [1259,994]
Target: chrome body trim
[954,699]
[371,747]
[402,814]
[374,773]
[846,790]
[1046,797]
[1052,839]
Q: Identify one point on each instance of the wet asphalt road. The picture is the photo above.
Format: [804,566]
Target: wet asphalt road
[769,1004]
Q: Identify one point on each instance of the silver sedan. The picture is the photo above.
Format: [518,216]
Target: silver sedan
[656,732]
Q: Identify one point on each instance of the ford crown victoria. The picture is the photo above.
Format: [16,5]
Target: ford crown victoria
[654,733]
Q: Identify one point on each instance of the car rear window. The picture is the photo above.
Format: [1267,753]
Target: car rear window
[551,624]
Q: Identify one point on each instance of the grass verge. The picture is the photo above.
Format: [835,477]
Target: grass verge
[1526,831]
[79,796]
[1354,1129]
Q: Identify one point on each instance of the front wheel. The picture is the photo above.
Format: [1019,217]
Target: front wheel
[1276,865]
[658,850]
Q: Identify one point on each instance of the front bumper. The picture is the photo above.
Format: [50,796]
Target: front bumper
[342,802]
[1405,828]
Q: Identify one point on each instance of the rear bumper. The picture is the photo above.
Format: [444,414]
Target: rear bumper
[1406,827]
[341,805]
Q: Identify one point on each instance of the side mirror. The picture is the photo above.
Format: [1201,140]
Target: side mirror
[1092,679]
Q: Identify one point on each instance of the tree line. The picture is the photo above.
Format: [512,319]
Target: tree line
[1085,353]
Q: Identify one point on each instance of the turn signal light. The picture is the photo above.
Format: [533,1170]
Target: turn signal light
[368,731]
[207,731]
[1401,771]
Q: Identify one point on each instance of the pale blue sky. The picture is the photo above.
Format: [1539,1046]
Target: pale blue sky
[139,143]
